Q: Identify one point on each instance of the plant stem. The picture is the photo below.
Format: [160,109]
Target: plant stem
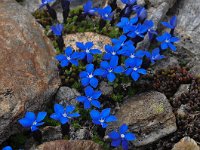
[60,42]
[66,9]
[52,12]
[65,129]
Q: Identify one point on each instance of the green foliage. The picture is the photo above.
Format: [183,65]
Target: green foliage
[99,141]
[17,141]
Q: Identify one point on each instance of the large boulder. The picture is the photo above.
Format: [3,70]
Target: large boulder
[149,115]
[28,76]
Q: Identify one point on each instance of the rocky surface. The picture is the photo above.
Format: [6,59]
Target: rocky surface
[28,76]
[184,88]
[66,95]
[80,134]
[69,145]
[186,143]
[149,115]
[50,133]
[99,40]
[105,88]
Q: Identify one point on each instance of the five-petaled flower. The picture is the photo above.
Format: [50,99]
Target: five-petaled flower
[64,114]
[57,29]
[137,30]
[31,121]
[105,13]
[90,98]
[171,24]
[125,23]
[140,11]
[109,69]
[102,118]
[111,51]
[151,32]
[68,57]
[135,69]
[121,42]
[154,55]
[87,50]
[87,8]
[167,41]
[45,2]
[7,148]
[128,2]
[121,137]
[88,76]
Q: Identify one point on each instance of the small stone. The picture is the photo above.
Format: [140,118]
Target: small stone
[195,70]
[182,112]
[69,145]
[184,88]
[66,96]
[105,88]
[120,4]
[81,134]
[50,133]
[186,143]
[149,114]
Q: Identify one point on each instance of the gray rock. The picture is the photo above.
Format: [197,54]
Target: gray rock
[50,133]
[120,4]
[184,88]
[186,143]
[66,95]
[80,134]
[105,88]
[149,114]
[182,111]
[195,70]
[28,76]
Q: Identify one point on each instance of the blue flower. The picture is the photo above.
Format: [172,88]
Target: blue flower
[171,24]
[45,2]
[138,30]
[102,118]
[121,42]
[31,121]
[140,11]
[149,25]
[90,98]
[105,13]
[125,23]
[167,41]
[87,8]
[63,115]
[111,51]
[87,50]
[7,148]
[111,68]
[57,29]
[121,137]
[68,57]
[134,69]
[155,55]
[129,2]
[88,76]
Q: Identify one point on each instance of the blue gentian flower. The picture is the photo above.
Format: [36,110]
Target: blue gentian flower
[138,30]
[140,11]
[154,55]
[90,98]
[167,41]
[45,2]
[31,121]
[87,8]
[134,69]
[68,57]
[149,25]
[87,50]
[63,115]
[121,137]
[121,42]
[111,68]
[125,23]
[57,29]
[129,2]
[7,148]
[111,51]
[171,24]
[88,76]
[105,13]
[102,118]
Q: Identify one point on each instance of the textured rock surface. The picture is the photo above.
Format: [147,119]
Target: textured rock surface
[28,76]
[80,134]
[186,143]
[184,88]
[105,88]
[50,133]
[149,114]
[66,95]
[99,40]
[69,145]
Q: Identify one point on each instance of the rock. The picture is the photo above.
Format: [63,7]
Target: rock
[120,4]
[186,143]
[28,76]
[105,88]
[195,70]
[80,134]
[182,111]
[99,40]
[69,145]
[149,114]
[66,95]
[50,133]
[184,88]
[155,3]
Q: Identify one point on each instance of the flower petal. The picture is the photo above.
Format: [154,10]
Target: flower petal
[96,103]
[85,81]
[111,118]
[94,82]
[81,98]
[130,137]
[25,122]
[30,116]
[123,128]
[70,108]
[94,114]
[105,112]
[111,77]
[41,116]
[90,68]
[114,135]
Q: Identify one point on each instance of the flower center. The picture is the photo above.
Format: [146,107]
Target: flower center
[122,136]
[110,70]
[90,76]
[101,120]
[167,41]
[89,98]
[68,58]
[34,123]
[135,69]
[64,115]
[132,56]
[106,15]
[87,51]
[136,32]
[113,53]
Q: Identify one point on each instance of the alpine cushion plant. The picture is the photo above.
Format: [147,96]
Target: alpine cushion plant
[64,114]
[90,98]
[102,118]
[121,137]
[88,77]
[31,121]
[68,57]
[87,51]
[167,41]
